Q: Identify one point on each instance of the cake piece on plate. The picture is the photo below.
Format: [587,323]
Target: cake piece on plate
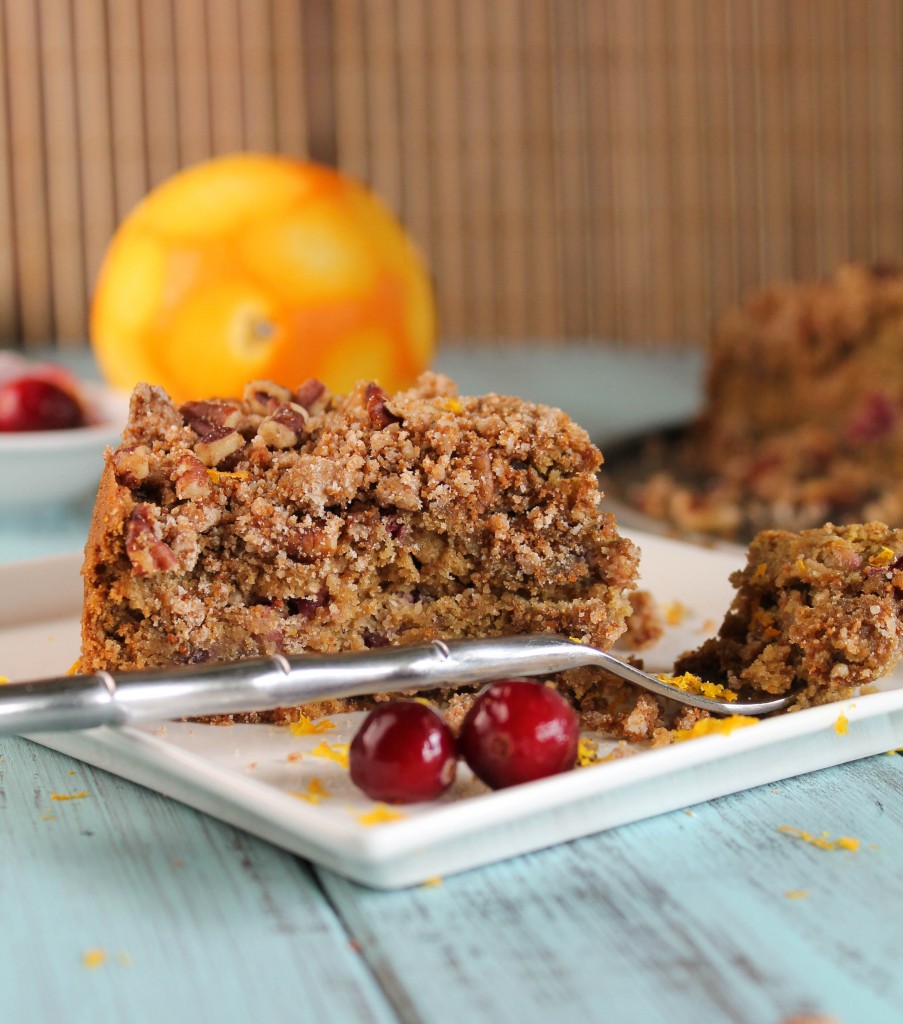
[296,521]
[803,415]
[816,611]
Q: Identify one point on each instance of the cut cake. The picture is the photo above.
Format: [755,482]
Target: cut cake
[816,612]
[298,521]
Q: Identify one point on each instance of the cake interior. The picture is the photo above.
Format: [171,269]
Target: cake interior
[816,612]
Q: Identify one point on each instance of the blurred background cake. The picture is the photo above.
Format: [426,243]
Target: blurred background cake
[803,415]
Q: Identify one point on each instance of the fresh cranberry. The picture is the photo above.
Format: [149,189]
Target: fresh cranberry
[403,753]
[30,403]
[518,730]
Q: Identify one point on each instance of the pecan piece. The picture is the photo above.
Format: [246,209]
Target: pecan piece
[203,416]
[284,427]
[218,444]
[484,480]
[131,465]
[376,403]
[191,478]
[309,393]
[147,553]
[264,397]
[306,545]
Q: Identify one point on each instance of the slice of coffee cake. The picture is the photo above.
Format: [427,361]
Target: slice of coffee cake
[818,611]
[294,521]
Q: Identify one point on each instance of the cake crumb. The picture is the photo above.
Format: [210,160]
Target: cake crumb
[80,795]
[797,894]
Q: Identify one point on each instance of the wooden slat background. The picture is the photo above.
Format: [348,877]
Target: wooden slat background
[570,168]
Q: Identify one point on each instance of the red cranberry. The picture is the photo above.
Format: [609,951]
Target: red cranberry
[518,730]
[30,403]
[403,753]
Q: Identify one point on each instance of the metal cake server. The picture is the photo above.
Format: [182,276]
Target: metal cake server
[84,702]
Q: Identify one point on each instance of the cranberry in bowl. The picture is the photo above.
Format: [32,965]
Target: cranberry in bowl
[54,428]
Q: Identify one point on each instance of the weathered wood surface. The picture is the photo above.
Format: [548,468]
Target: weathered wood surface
[683,918]
[194,921]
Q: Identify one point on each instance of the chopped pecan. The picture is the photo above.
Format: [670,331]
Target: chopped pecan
[264,396]
[199,516]
[484,480]
[131,465]
[376,402]
[284,427]
[147,553]
[306,545]
[203,416]
[309,393]
[216,445]
[191,478]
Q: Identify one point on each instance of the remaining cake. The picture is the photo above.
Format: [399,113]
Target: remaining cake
[818,612]
[803,417]
[296,521]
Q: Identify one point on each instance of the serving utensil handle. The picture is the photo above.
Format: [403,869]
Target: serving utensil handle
[83,702]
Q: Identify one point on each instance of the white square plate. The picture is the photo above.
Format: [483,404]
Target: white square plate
[261,778]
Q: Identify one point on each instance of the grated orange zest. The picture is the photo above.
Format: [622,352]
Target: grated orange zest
[305,727]
[714,726]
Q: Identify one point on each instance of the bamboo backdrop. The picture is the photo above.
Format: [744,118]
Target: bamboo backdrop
[570,169]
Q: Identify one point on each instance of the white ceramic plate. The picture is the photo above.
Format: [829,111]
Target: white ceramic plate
[251,775]
[45,467]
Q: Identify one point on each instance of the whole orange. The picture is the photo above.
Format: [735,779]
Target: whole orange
[256,266]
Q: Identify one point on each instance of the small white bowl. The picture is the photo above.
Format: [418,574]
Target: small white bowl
[44,467]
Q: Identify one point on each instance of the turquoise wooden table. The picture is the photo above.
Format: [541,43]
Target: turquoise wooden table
[129,907]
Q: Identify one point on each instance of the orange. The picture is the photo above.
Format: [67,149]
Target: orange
[255,266]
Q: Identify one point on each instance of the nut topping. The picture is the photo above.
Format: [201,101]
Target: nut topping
[310,391]
[484,480]
[217,445]
[375,400]
[264,397]
[203,416]
[305,545]
[131,465]
[191,478]
[284,428]
[147,553]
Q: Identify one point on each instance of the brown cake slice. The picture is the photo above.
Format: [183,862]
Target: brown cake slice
[818,611]
[803,415]
[300,521]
